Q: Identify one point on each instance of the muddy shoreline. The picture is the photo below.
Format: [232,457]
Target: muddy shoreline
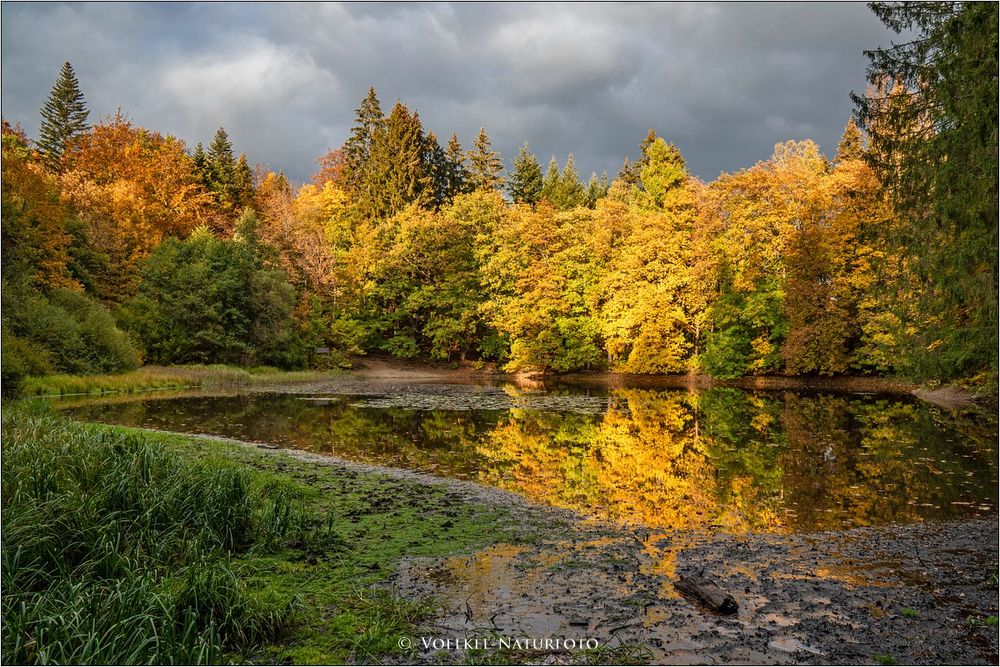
[917,594]
[949,397]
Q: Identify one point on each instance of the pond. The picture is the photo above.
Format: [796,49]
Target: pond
[719,459]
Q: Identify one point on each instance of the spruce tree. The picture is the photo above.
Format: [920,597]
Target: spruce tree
[400,175]
[596,189]
[850,146]
[572,193]
[485,164]
[457,173]
[64,116]
[243,183]
[525,184]
[629,173]
[221,170]
[200,161]
[369,124]
[437,162]
[931,118]
[551,183]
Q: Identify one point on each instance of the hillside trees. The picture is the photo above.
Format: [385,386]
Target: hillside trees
[406,246]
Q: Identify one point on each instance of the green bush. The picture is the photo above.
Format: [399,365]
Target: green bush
[21,358]
[209,300]
[62,330]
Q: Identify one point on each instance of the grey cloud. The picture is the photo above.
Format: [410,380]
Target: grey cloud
[724,82]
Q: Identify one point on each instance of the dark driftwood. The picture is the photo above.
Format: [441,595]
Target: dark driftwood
[707,592]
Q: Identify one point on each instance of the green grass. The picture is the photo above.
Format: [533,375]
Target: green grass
[165,377]
[910,613]
[884,659]
[124,546]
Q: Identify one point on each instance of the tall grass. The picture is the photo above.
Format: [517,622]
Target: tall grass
[117,551]
[163,377]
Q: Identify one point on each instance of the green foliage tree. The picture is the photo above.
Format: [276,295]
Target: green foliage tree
[208,300]
[60,330]
[525,182]
[931,117]
[64,116]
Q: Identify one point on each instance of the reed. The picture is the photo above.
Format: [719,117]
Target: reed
[117,551]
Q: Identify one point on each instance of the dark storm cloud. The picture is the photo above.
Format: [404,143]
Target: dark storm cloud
[724,82]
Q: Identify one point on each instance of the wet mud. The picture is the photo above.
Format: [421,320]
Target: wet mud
[920,594]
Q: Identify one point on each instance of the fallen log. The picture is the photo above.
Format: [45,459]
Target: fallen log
[708,593]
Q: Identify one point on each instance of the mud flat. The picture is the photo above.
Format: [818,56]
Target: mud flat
[922,594]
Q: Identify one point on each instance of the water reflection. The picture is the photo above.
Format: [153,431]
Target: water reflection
[720,458]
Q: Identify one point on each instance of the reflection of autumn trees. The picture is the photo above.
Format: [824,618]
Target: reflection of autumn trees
[645,461]
[721,458]
[743,462]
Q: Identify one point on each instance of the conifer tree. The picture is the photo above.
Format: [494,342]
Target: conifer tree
[397,165]
[220,171]
[243,183]
[629,173]
[456,172]
[596,189]
[200,160]
[850,146]
[485,164]
[572,193]
[369,124]
[436,161]
[64,116]
[525,184]
[931,118]
[222,165]
[551,183]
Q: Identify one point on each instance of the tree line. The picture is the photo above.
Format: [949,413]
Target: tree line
[879,260]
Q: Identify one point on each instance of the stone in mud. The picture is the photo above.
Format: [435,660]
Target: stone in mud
[708,592]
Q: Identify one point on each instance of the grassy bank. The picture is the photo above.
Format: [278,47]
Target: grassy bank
[122,546]
[166,377]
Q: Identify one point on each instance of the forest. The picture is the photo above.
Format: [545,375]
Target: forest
[123,246]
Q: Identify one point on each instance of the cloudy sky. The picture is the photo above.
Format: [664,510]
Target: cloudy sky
[723,82]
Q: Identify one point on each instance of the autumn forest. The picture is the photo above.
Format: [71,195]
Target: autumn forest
[122,245]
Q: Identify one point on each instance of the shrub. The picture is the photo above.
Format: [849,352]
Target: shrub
[63,330]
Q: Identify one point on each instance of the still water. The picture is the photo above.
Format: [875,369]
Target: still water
[721,458]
